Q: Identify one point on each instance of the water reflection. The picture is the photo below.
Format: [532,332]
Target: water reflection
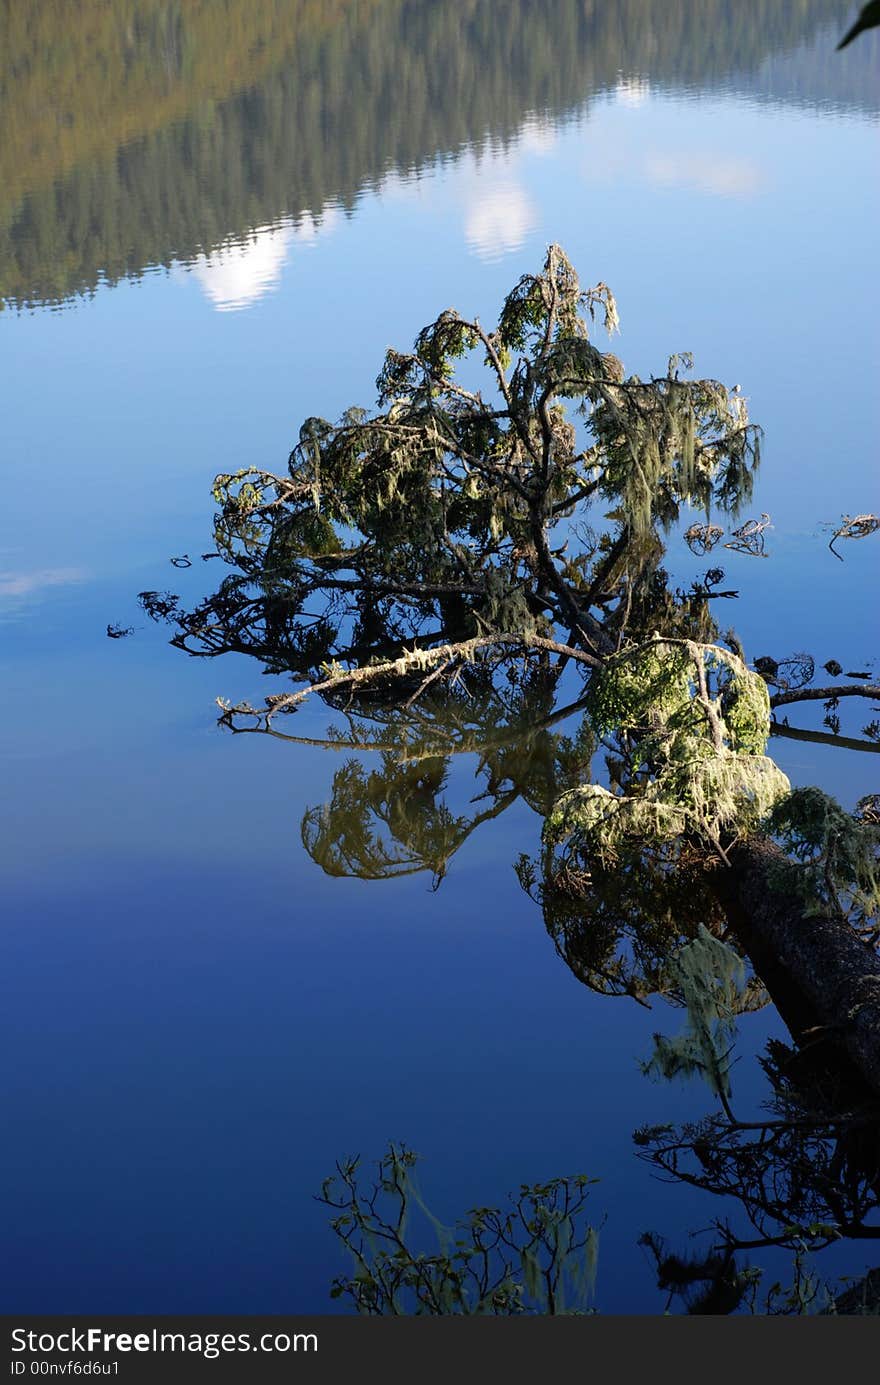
[142,134]
[18,589]
[394,818]
[718,174]
[237,274]
[797,1168]
[125,900]
[419,568]
[499,218]
[695,164]
[799,1177]
[800,1173]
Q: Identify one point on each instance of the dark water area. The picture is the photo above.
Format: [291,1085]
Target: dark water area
[213,221]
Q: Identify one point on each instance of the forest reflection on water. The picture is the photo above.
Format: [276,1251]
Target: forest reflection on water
[137,135]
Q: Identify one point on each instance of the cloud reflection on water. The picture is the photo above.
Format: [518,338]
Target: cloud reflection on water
[239,273]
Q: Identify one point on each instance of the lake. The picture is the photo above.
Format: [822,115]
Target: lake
[213,221]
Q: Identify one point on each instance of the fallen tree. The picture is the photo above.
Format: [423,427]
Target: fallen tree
[834,968]
[462,535]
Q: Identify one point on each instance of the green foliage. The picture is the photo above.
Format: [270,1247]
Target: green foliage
[837,853]
[419,830]
[710,977]
[432,523]
[677,696]
[615,928]
[394,818]
[695,720]
[537,1256]
[623,877]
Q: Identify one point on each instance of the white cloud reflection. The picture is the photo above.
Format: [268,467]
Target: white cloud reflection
[17,586]
[537,136]
[491,188]
[722,175]
[632,91]
[239,273]
[498,217]
[630,151]
[499,213]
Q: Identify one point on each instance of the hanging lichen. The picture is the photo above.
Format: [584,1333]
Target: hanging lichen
[837,854]
[694,722]
[711,979]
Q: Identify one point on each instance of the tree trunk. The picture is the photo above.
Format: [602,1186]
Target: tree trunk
[836,975]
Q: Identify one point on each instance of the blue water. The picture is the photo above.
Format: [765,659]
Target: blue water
[198,1022]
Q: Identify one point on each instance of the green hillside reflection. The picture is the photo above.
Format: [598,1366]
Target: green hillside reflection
[141,132]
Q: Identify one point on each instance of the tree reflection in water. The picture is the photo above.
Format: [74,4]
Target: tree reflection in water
[439,576]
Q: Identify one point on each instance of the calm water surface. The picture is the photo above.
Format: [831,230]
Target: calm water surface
[208,230]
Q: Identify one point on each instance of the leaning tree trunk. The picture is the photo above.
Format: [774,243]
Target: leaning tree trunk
[836,974]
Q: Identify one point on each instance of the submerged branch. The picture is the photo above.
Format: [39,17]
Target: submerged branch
[783,699]
[798,733]
[422,659]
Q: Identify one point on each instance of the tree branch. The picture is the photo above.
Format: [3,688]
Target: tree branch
[783,699]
